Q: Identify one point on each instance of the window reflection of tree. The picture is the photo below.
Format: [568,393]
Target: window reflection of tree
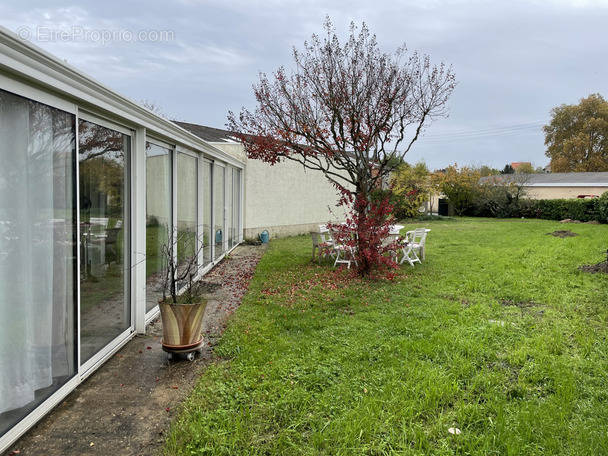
[102,156]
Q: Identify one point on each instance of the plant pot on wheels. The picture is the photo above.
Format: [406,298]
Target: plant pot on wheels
[182,325]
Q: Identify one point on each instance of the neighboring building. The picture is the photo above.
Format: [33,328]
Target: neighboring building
[285,199]
[544,186]
[560,185]
[89,183]
[566,185]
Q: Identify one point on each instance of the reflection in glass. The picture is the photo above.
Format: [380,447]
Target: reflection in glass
[236,204]
[105,310]
[37,254]
[187,204]
[158,218]
[218,209]
[207,211]
[229,212]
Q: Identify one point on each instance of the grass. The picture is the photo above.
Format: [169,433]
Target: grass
[498,333]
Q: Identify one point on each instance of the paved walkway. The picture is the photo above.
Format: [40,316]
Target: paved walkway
[127,406]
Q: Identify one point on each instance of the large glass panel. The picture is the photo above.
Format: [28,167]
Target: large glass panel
[207,213]
[104,304]
[158,218]
[236,206]
[229,212]
[218,209]
[37,254]
[187,205]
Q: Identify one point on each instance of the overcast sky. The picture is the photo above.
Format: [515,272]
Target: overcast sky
[514,60]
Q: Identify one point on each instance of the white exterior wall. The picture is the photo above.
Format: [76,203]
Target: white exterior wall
[285,199]
[545,192]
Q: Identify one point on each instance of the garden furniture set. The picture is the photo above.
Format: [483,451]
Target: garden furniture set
[327,243]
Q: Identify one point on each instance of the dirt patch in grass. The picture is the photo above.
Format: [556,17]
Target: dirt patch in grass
[531,307]
[521,305]
[563,233]
[601,267]
[595,268]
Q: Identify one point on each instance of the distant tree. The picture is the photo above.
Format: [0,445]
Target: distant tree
[525,168]
[460,186]
[347,111]
[508,169]
[153,106]
[485,170]
[577,136]
[411,188]
[501,195]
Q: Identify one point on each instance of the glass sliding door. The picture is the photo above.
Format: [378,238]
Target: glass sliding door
[233,198]
[236,206]
[187,208]
[105,310]
[159,221]
[218,209]
[37,254]
[207,212]
[229,202]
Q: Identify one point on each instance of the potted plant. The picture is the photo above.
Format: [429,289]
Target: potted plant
[181,307]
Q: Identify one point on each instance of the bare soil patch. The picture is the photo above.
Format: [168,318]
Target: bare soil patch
[596,268]
[563,233]
[127,405]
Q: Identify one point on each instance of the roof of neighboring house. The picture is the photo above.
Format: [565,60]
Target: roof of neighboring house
[568,179]
[558,179]
[207,133]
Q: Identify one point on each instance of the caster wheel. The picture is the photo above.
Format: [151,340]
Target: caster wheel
[169,356]
[191,356]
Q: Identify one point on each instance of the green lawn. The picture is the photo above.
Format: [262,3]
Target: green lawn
[498,333]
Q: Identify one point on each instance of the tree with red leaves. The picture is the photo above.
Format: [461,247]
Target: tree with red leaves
[347,111]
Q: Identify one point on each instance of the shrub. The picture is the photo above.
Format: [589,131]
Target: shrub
[601,207]
[559,209]
[584,210]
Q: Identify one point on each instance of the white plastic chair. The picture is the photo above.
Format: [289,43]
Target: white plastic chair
[392,239]
[319,246]
[325,235]
[326,239]
[345,254]
[409,254]
[417,239]
[99,221]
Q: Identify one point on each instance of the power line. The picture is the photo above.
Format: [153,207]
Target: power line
[471,135]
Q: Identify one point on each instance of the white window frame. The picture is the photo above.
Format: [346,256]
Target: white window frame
[88,367]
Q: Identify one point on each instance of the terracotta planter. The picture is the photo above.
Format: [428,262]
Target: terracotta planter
[182,324]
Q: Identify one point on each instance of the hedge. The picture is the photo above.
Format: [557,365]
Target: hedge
[582,209]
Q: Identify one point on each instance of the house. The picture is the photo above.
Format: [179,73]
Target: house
[90,184]
[560,185]
[566,185]
[284,199]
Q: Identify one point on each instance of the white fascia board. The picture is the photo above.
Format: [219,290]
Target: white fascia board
[25,61]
